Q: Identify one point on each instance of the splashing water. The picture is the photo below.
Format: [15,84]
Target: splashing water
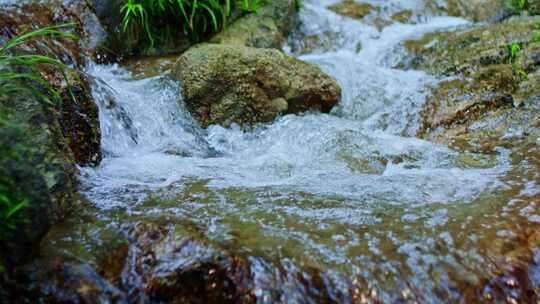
[351,193]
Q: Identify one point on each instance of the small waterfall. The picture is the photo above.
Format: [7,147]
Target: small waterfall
[362,151]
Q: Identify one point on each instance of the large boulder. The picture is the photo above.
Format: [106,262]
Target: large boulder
[225,84]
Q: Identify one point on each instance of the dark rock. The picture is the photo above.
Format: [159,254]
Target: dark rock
[28,16]
[21,181]
[51,156]
[79,119]
[176,269]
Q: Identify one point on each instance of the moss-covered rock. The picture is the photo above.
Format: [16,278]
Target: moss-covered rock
[492,99]
[51,156]
[77,115]
[21,182]
[466,51]
[478,10]
[225,84]
[267,28]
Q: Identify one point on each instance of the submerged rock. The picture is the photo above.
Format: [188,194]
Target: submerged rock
[177,269]
[225,84]
[352,9]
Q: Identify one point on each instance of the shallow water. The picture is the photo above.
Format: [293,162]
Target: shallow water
[351,194]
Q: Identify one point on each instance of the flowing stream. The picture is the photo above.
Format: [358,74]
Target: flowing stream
[352,194]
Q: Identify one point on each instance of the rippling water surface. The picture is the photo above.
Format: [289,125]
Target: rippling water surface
[352,194]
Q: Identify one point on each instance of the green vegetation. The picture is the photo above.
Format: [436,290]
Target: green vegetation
[12,201]
[513,50]
[159,19]
[251,6]
[18,71]
[298,4]
[536,38]
[518,5]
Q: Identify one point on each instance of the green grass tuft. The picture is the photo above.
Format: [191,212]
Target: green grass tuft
[513,50]
[18,72]
[157,19]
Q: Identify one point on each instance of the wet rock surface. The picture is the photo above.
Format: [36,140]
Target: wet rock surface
[77,114]
[493,95]
[178,269]
[58,135]
[51,155]
[352,9]
[225,84]
[20,16]
[479,10]
[464,52]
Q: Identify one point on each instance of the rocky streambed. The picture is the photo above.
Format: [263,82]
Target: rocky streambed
[351,152]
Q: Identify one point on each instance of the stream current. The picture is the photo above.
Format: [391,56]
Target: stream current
[352,194]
